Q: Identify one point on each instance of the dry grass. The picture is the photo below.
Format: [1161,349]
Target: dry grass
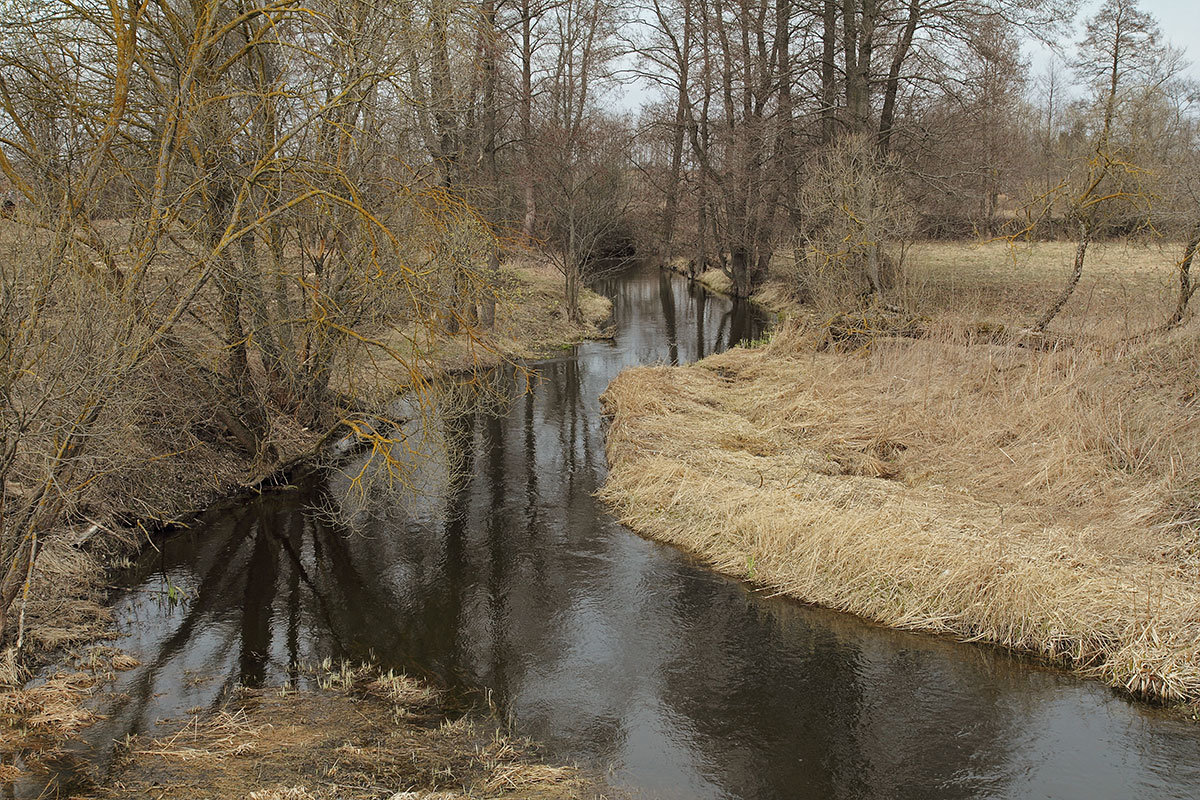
[44,713]
[1045,501]
[1127,286]
[65,616]
[530,321]
[366,734]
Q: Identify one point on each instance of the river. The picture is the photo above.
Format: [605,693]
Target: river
[502,573]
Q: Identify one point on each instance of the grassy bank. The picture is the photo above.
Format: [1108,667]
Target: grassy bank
[530,322]
[774,296]
[161,477]
[1127,287]
[363,734]
[1044,501]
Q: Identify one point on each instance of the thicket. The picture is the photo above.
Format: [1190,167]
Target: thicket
[219,211]
[232,226]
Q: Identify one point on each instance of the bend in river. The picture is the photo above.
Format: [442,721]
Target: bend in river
[505,574]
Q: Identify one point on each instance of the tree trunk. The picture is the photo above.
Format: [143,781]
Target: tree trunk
[1186,288]
[850,57]
[866,49]
[527,117]
[249,424]
[739,270]
[491,173]
[892,87]
[673,179]
[264,332]
[571,268]
[828,72]
[1085,238]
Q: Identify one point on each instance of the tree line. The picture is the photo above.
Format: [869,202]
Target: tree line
[825,134]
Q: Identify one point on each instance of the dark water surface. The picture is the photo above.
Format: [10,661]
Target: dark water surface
[612,650]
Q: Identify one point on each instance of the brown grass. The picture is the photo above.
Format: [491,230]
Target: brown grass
[530,322]
[65,616]
[366,734]
[1045,501]
[1127,286]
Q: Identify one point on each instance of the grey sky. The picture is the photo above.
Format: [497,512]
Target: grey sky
[1178,19]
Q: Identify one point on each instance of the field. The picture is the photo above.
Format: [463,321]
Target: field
[1127,287]
[1047,500]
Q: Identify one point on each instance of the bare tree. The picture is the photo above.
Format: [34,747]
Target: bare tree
[1121,46]
[579,168]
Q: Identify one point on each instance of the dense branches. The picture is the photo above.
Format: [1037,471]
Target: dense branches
[264,199]
[223,191]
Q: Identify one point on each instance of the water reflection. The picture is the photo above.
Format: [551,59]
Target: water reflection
[503,572]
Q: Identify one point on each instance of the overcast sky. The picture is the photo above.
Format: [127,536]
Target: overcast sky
[1180,21]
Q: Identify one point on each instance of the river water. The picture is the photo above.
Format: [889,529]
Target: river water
[502,573]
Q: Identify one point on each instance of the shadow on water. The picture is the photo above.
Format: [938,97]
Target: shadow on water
[504,573]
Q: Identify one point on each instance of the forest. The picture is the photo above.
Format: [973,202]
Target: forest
[954,238]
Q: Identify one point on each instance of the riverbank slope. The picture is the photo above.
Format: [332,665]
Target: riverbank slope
[64,614]
[1044,500]
[360,734]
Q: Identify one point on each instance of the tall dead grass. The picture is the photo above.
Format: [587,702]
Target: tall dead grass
[1044,501]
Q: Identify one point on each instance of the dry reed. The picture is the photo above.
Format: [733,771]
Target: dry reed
[1044,501]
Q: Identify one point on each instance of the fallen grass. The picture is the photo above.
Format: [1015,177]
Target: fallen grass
[65,617]
[1045,501]
[364,734]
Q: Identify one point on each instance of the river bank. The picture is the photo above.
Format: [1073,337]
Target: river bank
[66,619]
[360,734]
[505,577]
[1042,501]
[773,296]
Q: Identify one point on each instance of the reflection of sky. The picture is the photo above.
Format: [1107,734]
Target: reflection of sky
[611,649]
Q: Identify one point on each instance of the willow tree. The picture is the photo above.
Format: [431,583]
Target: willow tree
[222,235]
